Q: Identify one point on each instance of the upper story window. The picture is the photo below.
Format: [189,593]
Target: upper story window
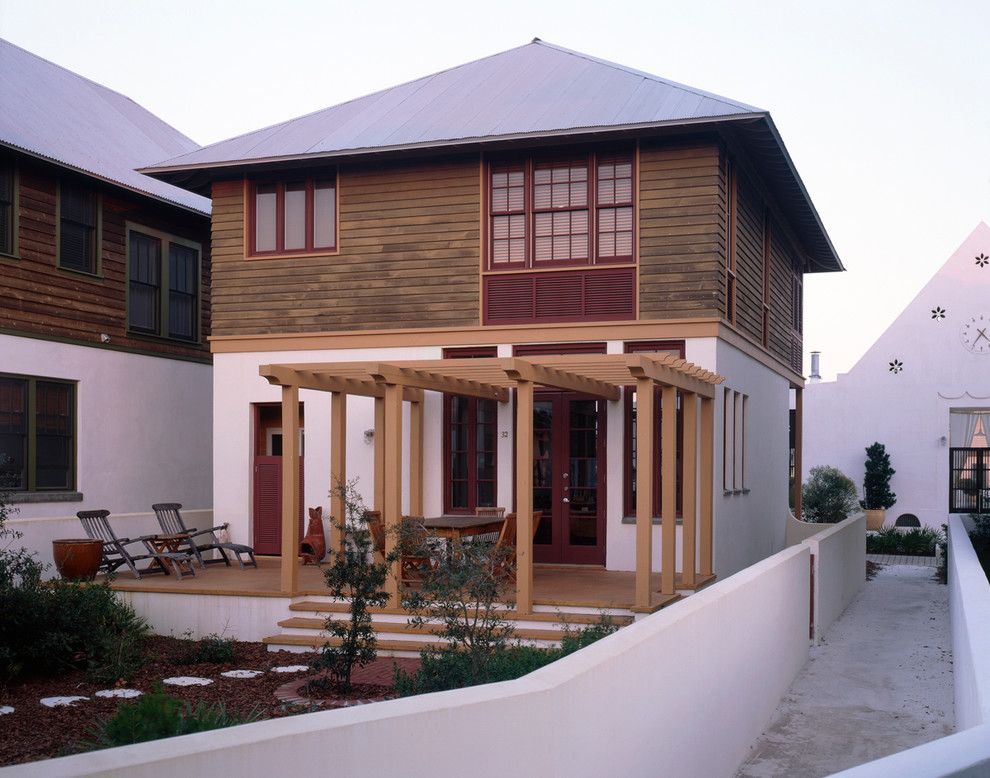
[8,210]
[37,433]
[730,254]
[294,217]
[78,229]
[163,284]
[548,212]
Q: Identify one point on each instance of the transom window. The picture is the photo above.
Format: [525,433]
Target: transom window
[78,231]
[162,297]
[37,434]
[294,217]
[546,212]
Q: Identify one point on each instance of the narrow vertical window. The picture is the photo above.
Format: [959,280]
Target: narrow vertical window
[743,436]
[728,445]
[737,442]
[615,212]
[265,217]
[6,211]
[144,290]
[13,433]
[730,251]
[767,253]
[77,229]
[324,214]
[183,291]
[294,216]
[508,215]
[797,293]
[53,435]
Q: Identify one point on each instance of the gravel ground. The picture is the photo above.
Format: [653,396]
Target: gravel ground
[881,682]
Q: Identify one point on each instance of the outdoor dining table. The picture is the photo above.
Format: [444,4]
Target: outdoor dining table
[455,527]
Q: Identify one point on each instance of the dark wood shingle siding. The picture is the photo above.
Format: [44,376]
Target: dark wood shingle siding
[408,257]
[41,299]
[681,256]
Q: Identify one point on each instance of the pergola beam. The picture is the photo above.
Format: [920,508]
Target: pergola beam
[643,367]
[282,375]
[522,370]
[422,379]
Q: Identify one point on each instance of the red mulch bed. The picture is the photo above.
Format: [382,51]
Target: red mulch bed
[35,732]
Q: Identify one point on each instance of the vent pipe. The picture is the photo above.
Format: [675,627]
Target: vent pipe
[815,372]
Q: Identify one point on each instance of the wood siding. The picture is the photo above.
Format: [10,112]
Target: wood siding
[681,231]
[409,243]
[40,299]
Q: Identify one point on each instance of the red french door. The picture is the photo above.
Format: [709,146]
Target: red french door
[266,520]
[568,478]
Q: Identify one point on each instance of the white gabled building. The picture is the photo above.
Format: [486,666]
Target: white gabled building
[923,390]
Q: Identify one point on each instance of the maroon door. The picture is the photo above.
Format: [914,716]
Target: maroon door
[268,504]
[568,478]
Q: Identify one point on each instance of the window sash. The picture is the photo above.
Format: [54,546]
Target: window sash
[37,430]
[7,210]
[293,217]
[77,229]
[183,291]
[163,285]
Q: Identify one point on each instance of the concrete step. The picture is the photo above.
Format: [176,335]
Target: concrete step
[403,628]
[314,642]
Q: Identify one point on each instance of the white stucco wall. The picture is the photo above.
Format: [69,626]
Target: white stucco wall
[908,411]
[144,427]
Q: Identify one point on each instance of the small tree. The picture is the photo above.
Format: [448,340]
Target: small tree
[828,496]
[353,574]
[876,481]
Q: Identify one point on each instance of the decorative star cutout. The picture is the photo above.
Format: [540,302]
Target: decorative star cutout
[938,313]
[982,259]
[896,366]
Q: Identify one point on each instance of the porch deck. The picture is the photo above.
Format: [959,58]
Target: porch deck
[554,585]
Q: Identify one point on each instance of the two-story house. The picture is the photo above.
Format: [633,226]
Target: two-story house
[105,376]
[463,280]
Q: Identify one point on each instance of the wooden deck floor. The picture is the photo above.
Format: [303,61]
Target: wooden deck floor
[569,586]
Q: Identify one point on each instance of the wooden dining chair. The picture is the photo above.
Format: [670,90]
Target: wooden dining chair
[505,547]
[414,564]
[492,513]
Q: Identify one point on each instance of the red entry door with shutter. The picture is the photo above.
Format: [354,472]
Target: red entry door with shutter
[267,475]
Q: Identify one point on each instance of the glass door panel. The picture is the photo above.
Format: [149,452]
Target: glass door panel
[543,469]
[581,478]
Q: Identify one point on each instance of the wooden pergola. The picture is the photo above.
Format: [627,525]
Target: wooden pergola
[602,376]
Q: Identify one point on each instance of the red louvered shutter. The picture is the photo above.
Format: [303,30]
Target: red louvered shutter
[559,296]
[509,299]
[610,295]
[574,295]
[268,504]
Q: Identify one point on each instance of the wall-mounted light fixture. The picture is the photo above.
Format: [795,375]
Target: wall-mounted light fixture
[369,436]
[104,337]
[943,440]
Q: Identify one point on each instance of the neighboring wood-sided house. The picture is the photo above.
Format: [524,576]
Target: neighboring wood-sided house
[463,279]
[105,377]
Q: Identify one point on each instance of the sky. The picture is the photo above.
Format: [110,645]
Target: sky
[883,106]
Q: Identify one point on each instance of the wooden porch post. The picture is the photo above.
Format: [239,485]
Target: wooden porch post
[689,503]
[707,483]
[379,443]
[416,458]
[524,497]
[290,489]
[645,464]
[798,443]
[338,468]
[392,505]
[668,491]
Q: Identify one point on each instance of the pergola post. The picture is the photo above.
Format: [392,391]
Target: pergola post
[798,443]
[524,497]
[668,490]
[707,484]
[338,468]
[379,442]
[290,489]
[645,463]
[392,504]
[416,458]
[689,502]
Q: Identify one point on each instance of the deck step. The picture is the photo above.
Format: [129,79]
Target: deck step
[556,617]
[402,628]
[385,647]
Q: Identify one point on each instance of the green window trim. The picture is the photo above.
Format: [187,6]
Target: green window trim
[97,271]
[31,434]
[13,251]
[162,330]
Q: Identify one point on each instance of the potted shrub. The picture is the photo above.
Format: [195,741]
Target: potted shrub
[828,496]
[877,496]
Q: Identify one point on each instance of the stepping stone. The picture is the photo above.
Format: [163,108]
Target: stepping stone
[126,694]
[5,709]
[61,702]
[187,680]
[290,669]
[242,673]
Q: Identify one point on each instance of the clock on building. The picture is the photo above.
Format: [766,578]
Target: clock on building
[975,334]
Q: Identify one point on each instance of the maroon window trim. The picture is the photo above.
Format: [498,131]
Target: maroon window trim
[628,490]
[556,349]
[310,185]
[471,449]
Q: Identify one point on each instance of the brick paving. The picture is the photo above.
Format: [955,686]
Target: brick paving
[896,559]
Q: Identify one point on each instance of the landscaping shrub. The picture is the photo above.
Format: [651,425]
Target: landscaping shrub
[917,541]
[157,715]
[213,649]
[876,480]
[828,496]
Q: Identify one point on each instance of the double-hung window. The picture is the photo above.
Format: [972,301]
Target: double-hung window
[37,434]
[78,228]
[294,217]
[560,211]
[8,209]
[163,284]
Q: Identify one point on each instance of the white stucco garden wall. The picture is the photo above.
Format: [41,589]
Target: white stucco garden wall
[908,411]
[144,433]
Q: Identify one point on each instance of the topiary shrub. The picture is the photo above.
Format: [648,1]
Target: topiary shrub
[828,496]
[876,481]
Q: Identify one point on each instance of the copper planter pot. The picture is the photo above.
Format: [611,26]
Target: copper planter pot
[77,560]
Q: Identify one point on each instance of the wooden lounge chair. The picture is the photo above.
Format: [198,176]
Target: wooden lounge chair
[413,564]
[170,520]
[115,553]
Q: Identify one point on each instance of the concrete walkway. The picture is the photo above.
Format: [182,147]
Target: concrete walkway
[881,682]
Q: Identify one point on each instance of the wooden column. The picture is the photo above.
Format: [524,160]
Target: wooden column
[338,468]
[689,502]
[645,467]
[392,504]
[668,491]
[416,458]
[707,467]
[379,442]
[798,443]
[524,497]
[290,489]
